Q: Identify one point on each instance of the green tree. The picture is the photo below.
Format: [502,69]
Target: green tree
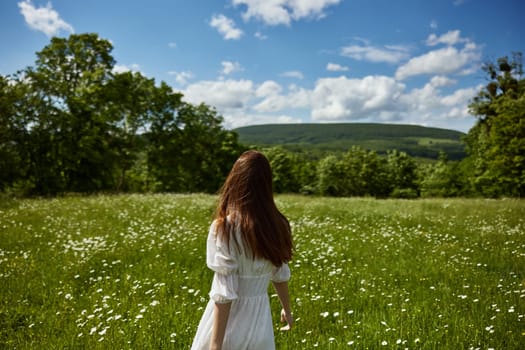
[507,139]
[207,150]
[162,137]
[358,172]
[305,172]
[130,103]
[283,163]
[401,174]
[442,178]
[189,150]
[496,142]
[71,124]
[364,173]
[69,130]
[13,133]
[331,177]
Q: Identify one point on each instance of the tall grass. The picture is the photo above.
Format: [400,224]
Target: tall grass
[128,272]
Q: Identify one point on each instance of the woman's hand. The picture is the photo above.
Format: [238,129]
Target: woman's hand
[288,318]
[215,347]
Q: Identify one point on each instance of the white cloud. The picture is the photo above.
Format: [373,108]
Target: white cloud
[172,45]
[235,120]
[272,103]
[43,19]
[260,36]
[121,68]
[443,61]
[450,38]
[225,95]
[352,99]
[182,78]
[341,99]
[268,88]
[277,12]
[334,67]
[366,52]
[296,98]
[309,8]
[236,101]
[381,98]
[230,67]
[471,70]
[428,105]
[440,80]
[293,74]
[433,24]
[461,97]
[421,101]
[226,27]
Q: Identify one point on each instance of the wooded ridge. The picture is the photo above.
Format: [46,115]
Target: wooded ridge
[416,140]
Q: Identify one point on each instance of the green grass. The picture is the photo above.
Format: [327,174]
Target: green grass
[128,272]
[428,141]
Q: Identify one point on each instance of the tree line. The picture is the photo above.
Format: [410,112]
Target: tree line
[70,123]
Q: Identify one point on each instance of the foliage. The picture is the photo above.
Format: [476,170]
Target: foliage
[364,173]
[496,143]
[129,271]
[71,124]
[12,133]
[72,145]
[190,151]
[331,177]
[292,172]
[441,179]
[401,173]
[282,167]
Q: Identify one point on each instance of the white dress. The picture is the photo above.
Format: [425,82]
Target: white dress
[243,281]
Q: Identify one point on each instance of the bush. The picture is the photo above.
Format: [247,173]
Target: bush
[406,193]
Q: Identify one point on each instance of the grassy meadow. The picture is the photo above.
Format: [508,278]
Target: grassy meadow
[128,272]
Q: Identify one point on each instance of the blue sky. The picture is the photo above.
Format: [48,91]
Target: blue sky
[291,61]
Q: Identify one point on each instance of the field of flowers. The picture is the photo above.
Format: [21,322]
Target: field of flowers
[128,272]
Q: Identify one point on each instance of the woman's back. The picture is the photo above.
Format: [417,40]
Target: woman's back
[242,280]
[248,245]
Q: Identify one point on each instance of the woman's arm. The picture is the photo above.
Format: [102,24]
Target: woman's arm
[220,319]
[284,298]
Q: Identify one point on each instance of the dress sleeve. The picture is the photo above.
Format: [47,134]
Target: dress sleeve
[223,261]
[281,274]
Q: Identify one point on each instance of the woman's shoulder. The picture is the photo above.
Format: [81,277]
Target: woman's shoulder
[224,223]
[224,232]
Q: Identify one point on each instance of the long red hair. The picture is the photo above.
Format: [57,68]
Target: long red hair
[247,199]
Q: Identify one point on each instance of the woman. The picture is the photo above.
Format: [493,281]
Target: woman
[249,244]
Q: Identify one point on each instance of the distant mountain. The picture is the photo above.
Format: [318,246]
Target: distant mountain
[417,141]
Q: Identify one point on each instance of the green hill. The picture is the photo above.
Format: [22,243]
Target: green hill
[417,141]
